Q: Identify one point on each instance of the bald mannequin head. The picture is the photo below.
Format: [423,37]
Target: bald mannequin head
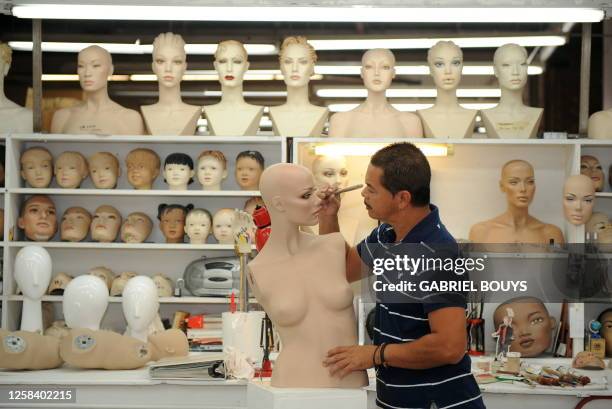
[514,164]
[95,66]
[377,69]
[377,53]
[518,182]
[97,52]
[578,199]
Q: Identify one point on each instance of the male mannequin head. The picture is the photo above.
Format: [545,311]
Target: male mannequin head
[297,60]
[169,59]
[75,224]
[178,171]
[105,224]
[104,170]
[95,65]
[70,170]
[172,221]
[377,69]
[590,166]
[38,218]
[136,228]
[606,329]
[578,199]
[518,183]
[142,167]
[231,63]
[104,273]
[249,165]
[445,61]
[197,225]
[510,66]
[532,325]
[330,171]
[212,169]
[222,226]
[37,167]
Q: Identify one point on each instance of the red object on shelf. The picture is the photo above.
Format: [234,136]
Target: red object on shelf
[265,371]
[195,321]
[261,217]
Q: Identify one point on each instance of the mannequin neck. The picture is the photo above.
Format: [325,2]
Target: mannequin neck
[517,216]
[97,99]
[284,237]
[2,96]
[170,96]
[212,187]
[511,98]
[31,317]
[297,96]
[376,101]
[446,98]
[232,95]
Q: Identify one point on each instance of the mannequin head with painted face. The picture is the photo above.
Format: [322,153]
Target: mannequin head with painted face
[172,221]
[212,169]
[140,306]
[37,167]
[38,218]
[197,225]
[231,63]
[518,183]
[249,165]
[297,61]
[599,226]
[70,170]
[142,168]
[106,274]
[510,66]
[605,317]
[377,69]
[222,226]
[330,171]
[75,224]
[445,61]
[136,228]
[590,166]
[163,284]
[104,170]
[169,59]
[578,199]
[105,224]
[95,66]
[178,171]
[85,302]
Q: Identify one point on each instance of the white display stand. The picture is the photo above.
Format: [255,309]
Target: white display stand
[260,395]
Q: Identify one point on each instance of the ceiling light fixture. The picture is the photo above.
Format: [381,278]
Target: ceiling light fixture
[410,107]
[407,93]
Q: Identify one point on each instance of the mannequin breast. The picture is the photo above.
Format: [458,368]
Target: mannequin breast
[444,124]
[520,124]
[179,120]
[114,120]
[494,231]
[304,122]
[228,120]
[358,124]
[310,303]
[15,119]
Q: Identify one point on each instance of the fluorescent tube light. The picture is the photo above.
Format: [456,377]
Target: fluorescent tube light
[75,77]
[415,70]
[271,94]
[407,93]
[368,149]
[308,14]
[410,107]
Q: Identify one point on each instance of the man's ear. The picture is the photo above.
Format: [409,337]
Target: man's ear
[20,223]
[404,199]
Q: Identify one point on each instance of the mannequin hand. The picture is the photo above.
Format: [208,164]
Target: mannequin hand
[243,223]
[330,202]
[341,361]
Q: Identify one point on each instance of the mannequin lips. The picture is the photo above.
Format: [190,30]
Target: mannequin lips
[229,77]
[88,83]
[43,225]
[377,82]
[168,77]
[527,343]
[295,77]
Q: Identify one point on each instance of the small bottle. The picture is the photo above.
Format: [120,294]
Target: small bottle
[178,290]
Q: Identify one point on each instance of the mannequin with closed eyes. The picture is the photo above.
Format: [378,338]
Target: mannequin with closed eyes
[300,280]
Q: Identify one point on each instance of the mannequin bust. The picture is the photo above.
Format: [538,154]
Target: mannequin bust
[605,317]
[447,119]
[297,117]
[136,228]
[375,117]
[28,350]
[105,224]
[222,226]
[163,284]
[511,118]
[104,170]
[178,171]
[97,114]
[120,282]
[32,274]
[70,170]
[302,299]
[212,169]
[170,115]
[106,274]
[578,199]
[232,116]
[38,218]
[516,225]
[172,221]
[140,306]
[37,167]
[590,166]
[143,168]
[600,125]
[249,165]
[13,118]
[600,226]
[197,225]
[85,302]
[75,224]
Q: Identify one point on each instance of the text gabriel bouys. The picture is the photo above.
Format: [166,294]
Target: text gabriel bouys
[452,286]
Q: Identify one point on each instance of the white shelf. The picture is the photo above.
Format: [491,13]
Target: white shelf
[42,138]
[162,300]
[122,246]
[133,192]
[604,194]
[461,141]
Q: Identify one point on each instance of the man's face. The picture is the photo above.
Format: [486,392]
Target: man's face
[379,202]
[39,219]
[532,327]
[37,168]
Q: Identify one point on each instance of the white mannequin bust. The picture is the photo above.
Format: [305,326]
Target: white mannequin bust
[600,125]
[97,114]
[85,302]
[297,117]
[578,199]
[232,116]
[212,169]
[375,117]
[222,226]
[140,306]
[178,171]
[32,274]
[197,225]
[447,119]
[300,280]
[511,118]
[13,118]
[170,115]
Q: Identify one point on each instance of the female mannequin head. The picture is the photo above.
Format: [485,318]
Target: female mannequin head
[104,170]
[169,59]
[178,171]
[518,183]
[377,69]
[578,199]
[590,166]
[510,66]
[445,61]
[105,224]
[297,60]
[142,168]
[172,221]
[231,63]
[70,170]
[330,171]
[75,224]
[37,167]
[212,169]
[95,65]
[249,165]
[197,225]
[222,226]
[136,228]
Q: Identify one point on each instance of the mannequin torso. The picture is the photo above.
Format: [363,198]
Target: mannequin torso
[502,229]
[28,350]
[522,122]
[178,119]
[233,119]
[298,121]
[600,125]
[14,118]
[441,123]
[362,122]
[110,119]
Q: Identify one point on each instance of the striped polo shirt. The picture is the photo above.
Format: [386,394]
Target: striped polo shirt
[448,386]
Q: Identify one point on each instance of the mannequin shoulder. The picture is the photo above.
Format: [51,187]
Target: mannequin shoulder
[412,124]
[60,118]
[338,124]
[553,232]
[478,231]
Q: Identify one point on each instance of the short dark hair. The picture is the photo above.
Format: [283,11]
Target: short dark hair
[404,167]
[255,155]
[179,159]
[164,208]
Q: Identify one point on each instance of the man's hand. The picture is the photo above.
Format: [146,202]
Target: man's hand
[341,361]
[330,202]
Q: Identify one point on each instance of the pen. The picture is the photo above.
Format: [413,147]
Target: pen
[348,189]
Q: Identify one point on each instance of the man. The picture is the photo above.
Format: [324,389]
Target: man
[419,348]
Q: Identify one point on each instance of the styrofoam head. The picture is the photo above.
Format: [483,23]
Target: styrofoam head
[85,302]
[33,271]
[140,303]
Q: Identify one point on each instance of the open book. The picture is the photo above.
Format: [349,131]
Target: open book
[202,366]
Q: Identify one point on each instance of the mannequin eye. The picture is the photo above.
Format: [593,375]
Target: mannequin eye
[387,67]
[237,61]
[288,61]
[598,167]
[368,67]
[505,65]
[569,198]
[223,61]
[306,195]
[537,320]
[438,64]
[344,172]
[159,61]
[96,65]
